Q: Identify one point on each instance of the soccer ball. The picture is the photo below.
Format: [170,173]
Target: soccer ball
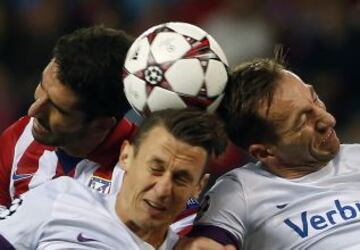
[174,65]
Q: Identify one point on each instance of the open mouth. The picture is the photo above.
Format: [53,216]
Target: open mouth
[39,128]
[155,205]
[327,136]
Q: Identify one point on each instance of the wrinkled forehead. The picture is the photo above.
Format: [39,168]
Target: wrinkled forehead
[290,87]
[159,138]
[162,147]
[289,94]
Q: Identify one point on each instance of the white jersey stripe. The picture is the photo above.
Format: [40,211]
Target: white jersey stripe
[84,170]
[22,144]
[47,169]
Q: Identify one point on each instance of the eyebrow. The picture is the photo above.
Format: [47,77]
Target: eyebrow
[312,91]
[157,160]
[52,103]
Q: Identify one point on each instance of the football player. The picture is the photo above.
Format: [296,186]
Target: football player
[303,191]
[161,168]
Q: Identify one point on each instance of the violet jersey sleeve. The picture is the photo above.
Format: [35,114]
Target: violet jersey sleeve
[223,212]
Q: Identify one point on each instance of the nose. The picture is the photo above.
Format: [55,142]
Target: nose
[163,187]
[324,121]
[38,106]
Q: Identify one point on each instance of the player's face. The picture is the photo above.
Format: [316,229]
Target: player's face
[159,179]
[306,129]
[57,120]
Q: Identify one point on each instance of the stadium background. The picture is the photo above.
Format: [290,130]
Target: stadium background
[323,37]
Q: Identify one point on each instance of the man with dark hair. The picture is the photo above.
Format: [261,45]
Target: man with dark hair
[303,192]
[162,168]
[77,122]
[74,127]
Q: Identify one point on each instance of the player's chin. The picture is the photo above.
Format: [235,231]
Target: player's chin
[45,139]
[158,219]
[324,156]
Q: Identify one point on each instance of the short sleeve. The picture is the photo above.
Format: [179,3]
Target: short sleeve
[224,207]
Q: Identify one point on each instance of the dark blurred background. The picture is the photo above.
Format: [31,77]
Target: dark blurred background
[323,38]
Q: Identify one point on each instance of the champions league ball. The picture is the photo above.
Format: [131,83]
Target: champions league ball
[175,65]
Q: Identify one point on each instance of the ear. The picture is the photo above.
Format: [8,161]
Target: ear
[261,152]
[201,185]
[126,152]
[104,123]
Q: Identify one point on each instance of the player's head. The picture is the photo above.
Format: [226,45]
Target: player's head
[272,113]
[164,165]
[81,88]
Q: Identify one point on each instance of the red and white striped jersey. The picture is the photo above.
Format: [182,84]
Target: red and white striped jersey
[25,163]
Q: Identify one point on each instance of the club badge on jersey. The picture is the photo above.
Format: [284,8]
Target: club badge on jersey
[192,203]
[99,184]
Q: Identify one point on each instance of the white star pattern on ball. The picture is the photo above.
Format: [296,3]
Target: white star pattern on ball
[175,65]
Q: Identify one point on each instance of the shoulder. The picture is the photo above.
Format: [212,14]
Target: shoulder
[239,182]
[67,185]
[37,204]
[52,188]
[71,192]
[246,173]
[15,138]
[14,131]
[62,193]
[349,148]
[18,126]
[235,183]
[349,153]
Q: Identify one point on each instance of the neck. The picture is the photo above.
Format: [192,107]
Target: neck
[294,171]
[77,151]
[83,147]
[155,236]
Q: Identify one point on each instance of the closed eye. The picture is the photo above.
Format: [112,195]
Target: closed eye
[156,166]
[181,181]
[183,178]
[301,122]
[156,170]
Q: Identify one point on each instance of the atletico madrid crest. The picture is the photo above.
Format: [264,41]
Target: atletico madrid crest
[100,184]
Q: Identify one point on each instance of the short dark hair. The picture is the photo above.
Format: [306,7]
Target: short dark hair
[251,84]
[90,61]
[192,126]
